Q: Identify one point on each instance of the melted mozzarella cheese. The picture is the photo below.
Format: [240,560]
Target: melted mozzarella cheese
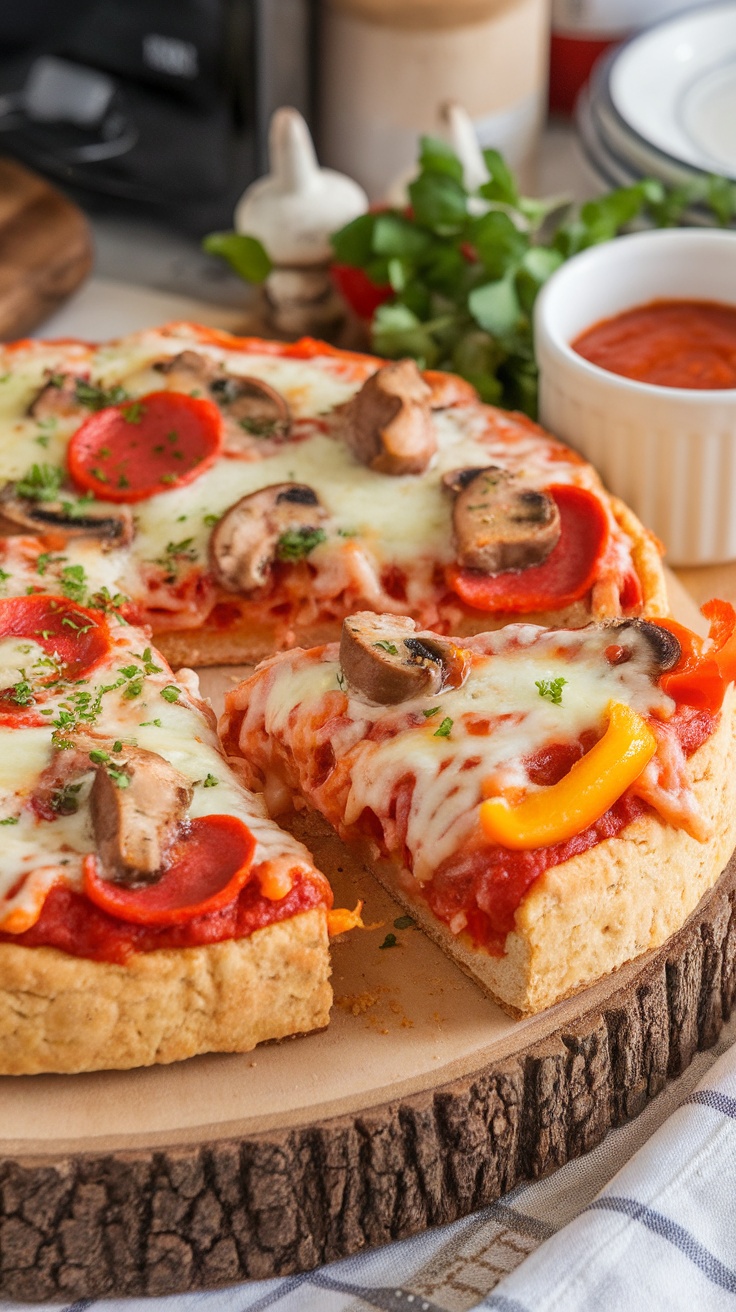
[375,520]
[452,771]
[48,850]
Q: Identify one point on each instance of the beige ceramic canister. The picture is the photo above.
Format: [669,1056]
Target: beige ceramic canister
[388,66]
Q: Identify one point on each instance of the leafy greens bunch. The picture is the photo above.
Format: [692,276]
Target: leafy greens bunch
[462,270]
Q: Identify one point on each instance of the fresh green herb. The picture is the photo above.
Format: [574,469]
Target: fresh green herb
[123,481]
[98,398]
[40,483]
[145,723]
[167,478]
[387,646]
[444,729]
[119,777]
[98,757]
[99,474]
[390,941]
[433,710]
[22,692]
[132,414]
[210,781]
[117,746]
[403,922]
[43,439]
[210,520]
[9,819]
[170,693]
[73,583]
[551,689]
[296,543]
[65,801]
[244,254]
[76,509]
[462,268]
[44,560]
[259,427]
[146,659]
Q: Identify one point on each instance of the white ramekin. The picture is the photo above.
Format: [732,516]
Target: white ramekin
[668,452]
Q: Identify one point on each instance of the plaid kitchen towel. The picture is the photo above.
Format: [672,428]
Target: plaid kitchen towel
[647,1219]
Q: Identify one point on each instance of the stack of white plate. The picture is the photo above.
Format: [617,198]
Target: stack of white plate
[664,104]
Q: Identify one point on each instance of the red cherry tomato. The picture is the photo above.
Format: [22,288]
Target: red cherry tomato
[566,575]
[206,869]
[362,295]
[140,448]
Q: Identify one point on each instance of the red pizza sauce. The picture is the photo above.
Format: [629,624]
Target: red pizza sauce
[73,924]
[685,344]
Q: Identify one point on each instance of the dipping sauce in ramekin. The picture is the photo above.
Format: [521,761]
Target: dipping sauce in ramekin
[668,343]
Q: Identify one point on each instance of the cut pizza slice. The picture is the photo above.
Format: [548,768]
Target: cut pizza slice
[149,908]
[546,803]
[242,496]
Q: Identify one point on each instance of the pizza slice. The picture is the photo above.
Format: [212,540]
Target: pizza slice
[241,496]
[149,908]
[546,803]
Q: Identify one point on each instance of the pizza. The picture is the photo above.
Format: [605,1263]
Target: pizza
[149,908]
[239,496]
[547,803]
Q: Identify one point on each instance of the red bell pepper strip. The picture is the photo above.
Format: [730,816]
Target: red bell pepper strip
[206,869]
[567,574]
[706,666]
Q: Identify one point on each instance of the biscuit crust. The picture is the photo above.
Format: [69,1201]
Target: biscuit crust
[67,1014]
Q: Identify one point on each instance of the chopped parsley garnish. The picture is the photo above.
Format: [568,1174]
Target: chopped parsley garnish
[98,757]
[210,520]
[210,781]
[387,646]
[43,439]
[132,414]
[119,777]
[444,729]
[73,583]
[9,819]
[22,692]
[64,801]
[296,543]
[551,689]
[40,483]
[76,509]
[170,693]
[167,478]
[433,710]
[390,941]
[145,723]
[98,398]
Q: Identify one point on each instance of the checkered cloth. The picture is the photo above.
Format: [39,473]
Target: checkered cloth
[648,1219]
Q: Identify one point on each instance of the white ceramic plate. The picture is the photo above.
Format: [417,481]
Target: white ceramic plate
[675,87]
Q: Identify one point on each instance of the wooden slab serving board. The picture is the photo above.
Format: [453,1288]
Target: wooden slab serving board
[45,249]
[421,1102]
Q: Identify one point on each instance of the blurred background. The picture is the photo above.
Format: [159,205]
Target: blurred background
[153,114]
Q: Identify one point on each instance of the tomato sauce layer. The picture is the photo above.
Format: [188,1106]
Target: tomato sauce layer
[73,924]
[488,884]
[685,344]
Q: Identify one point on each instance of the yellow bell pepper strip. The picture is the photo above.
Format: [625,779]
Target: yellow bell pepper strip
[594,783]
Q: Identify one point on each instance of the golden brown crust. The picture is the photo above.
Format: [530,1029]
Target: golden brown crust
[60,1013]
[647,556]
[587,917]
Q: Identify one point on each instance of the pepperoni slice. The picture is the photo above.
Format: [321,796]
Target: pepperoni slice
[136,450]
[206,869]
[566,575]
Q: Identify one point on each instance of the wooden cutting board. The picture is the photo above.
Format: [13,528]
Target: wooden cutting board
[45,249]
[421,1102]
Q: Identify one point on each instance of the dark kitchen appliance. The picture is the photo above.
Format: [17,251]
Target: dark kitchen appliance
[160,103]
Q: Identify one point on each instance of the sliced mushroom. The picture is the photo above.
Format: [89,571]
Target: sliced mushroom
[113,528]
[253,406]
[136,802]
[246,542]
[500,524]
[56,399]
[388,423]
[385,660]
[662,647]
